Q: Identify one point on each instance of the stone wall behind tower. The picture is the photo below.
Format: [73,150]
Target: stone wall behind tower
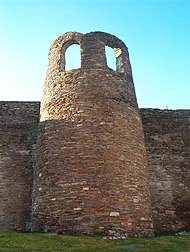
[167,142]
[167,134]
[91,173]
[18,128]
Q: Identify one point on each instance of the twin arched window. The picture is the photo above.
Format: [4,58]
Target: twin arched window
[72,57]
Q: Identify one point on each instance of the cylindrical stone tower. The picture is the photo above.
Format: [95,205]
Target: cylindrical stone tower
[91,174]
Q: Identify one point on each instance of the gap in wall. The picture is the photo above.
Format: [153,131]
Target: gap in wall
[72,57]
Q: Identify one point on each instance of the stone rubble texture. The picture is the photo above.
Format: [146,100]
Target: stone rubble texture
[167,135]
[90,152]
[18,122]
[89,170]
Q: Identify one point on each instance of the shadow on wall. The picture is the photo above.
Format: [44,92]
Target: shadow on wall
[167,139]
[80,176]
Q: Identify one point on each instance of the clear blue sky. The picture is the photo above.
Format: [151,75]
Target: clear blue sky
[156,32]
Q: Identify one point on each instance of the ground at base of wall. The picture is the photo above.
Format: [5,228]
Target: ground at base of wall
[39,242]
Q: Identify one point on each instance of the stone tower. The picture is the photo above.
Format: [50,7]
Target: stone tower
[91,174]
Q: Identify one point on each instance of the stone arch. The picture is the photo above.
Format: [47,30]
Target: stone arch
[121,53]
[56,58]
[93,47]
[92,51]
[119,58]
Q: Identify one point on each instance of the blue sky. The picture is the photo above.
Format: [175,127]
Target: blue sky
[156,32]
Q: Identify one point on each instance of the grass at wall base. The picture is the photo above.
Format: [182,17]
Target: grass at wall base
[39,242]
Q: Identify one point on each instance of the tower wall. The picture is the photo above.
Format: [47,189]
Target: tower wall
[91,174]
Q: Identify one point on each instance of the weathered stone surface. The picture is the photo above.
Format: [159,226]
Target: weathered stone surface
[167,134]
[91,175]
[91,137]
[18,135]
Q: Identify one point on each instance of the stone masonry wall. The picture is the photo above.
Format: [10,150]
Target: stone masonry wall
[167,143]
[167,134]
[91,173]
[18,128]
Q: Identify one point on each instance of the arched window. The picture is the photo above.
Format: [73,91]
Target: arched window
[72,57]
[114,57]
[110,57]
